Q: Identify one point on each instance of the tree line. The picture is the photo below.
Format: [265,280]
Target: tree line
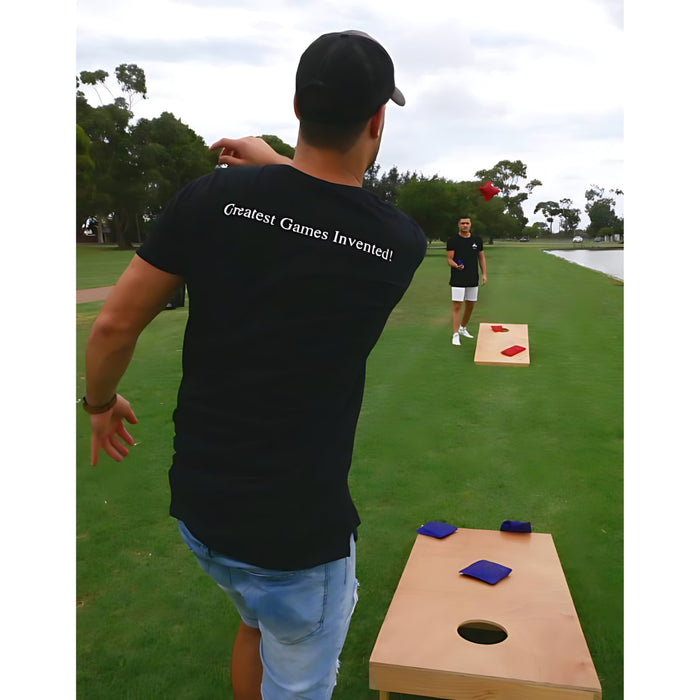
[127,172]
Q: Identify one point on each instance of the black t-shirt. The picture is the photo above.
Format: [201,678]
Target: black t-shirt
[291,280]
[467,250]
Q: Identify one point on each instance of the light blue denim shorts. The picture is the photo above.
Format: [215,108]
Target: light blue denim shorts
[303,617]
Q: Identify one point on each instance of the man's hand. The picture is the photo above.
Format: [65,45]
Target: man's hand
[108,428]
[248,151]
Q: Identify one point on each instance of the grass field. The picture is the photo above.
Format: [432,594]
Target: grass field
[439,438]
[99,265]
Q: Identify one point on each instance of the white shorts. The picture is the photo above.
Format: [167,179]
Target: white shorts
[464,293]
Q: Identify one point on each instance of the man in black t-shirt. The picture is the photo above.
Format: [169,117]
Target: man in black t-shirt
[292,270]
[465,255]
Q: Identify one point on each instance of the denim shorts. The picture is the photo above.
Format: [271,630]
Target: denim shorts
[303,617]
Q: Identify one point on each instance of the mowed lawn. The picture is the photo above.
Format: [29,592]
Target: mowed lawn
[439,438]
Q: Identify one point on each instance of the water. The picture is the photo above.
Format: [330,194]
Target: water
[610,262]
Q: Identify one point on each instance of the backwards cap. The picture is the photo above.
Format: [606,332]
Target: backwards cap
[344,77]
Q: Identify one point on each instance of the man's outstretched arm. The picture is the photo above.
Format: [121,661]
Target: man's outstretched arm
[250,150]
[140,294]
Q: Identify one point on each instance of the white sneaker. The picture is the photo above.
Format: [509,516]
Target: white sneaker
[455,339]
[463,331]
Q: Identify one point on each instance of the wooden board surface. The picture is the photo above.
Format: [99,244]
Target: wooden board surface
[489,345]
[544,657]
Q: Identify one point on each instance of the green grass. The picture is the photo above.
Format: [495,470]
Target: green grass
[99,265]
[439,438]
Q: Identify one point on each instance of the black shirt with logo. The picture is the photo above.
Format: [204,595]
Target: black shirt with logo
[467,250]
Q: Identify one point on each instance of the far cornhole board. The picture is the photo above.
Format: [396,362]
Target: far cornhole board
[489,345]
[544,657]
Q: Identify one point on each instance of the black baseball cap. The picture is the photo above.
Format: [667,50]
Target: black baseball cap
[344,77]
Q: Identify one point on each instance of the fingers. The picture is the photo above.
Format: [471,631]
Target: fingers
[123,409]
[113,448]
[229,147]
[131,417]
[94,450]
[118,451]
[229,154]
[230,160]
[224,143]
[124,435]
[220,144]
[111,442]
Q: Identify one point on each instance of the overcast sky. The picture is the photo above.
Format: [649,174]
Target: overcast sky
[536,81]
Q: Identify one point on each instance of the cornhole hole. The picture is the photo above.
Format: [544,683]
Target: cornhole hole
[495,339]
[447,635]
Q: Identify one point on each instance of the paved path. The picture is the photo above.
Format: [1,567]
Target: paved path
[94,294]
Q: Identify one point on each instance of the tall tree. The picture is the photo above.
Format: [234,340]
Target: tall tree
[601,210]
[370,180]
[437,204]
[569,217]
[95,78]
[549,210]
[279,146]
[130,78]
[489,219]
[597,194]
[432,202]
[506,175]
[84,176]
[118,182]
[132,81]
[601,216]
[385,187]
[137,168]
[169,155]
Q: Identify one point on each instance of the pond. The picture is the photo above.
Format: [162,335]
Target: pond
[610,262]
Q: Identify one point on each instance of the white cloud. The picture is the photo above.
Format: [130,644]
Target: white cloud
[537,81]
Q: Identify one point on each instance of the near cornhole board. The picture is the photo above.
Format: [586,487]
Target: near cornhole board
[419,650]
[490,344]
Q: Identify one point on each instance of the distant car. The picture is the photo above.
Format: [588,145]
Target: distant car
[599,239]
[525,239]
[578,239]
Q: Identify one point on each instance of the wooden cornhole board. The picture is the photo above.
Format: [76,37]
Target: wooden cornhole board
[489,345]
[420,652]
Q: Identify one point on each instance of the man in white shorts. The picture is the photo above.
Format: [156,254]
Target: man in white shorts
[465,255]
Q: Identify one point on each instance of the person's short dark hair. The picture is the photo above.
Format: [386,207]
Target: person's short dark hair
[466,216]
[336,137]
